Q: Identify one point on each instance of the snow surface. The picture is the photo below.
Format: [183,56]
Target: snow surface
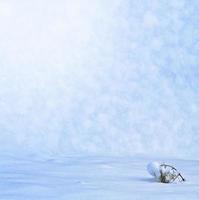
[91,177]
[154,169]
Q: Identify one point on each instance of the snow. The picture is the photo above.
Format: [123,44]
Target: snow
[112,79]
[91,177]
[154,169]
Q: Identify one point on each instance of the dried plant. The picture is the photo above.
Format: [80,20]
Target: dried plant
[169,174]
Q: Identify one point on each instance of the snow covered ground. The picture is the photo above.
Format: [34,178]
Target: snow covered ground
[91,177]
[98,77]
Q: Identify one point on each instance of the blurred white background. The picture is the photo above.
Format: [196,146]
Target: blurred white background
[117,77]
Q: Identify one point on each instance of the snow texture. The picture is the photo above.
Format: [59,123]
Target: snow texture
[117,77]
[90,91]
[154,169]
[87,177]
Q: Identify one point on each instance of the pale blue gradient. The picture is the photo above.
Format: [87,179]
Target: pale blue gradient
[99,77]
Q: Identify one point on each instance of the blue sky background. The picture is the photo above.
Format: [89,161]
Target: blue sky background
[100,77]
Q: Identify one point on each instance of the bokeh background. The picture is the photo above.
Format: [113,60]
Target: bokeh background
[116,77]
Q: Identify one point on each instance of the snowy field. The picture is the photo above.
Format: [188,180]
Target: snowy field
[98,77]
[90,178]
